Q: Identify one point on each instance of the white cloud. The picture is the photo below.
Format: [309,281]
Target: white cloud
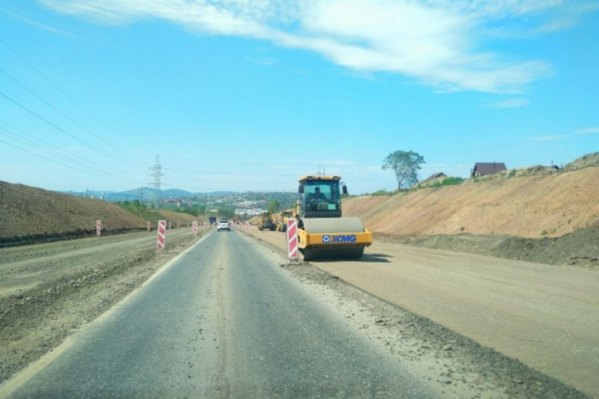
[434,42]
[550,137]
[511,103]
[589,130]
[568,17]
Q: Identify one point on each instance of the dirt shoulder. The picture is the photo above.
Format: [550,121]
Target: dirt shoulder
[579,248]
[49,290]
[542,315]
[458,366]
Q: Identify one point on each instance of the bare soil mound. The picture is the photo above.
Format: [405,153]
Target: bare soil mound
[583,162]
[33,215]
[177,217]
[28,211]
[530,206]
[580,248]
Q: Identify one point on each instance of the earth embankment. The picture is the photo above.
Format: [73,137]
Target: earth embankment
[33,215]
[532,207]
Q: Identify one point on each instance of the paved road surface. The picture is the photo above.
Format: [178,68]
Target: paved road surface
[223,321]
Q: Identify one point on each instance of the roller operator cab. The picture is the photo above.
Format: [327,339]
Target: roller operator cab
[320,197]
[323,233]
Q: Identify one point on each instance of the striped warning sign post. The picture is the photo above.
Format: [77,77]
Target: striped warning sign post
[292,249]
[195,228]
[247,227]
[98,227]
[148,226]
[161,233]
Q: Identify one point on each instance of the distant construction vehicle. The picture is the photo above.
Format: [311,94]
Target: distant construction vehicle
[267,222]
[322,232]
[282,222]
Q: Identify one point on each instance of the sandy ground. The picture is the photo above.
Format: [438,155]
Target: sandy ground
[534,206]
[545,316]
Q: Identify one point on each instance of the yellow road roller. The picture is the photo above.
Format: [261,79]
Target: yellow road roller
[322,232]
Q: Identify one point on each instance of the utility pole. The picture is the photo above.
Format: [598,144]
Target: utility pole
[156,174]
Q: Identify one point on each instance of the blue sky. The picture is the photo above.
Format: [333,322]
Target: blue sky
[252,94]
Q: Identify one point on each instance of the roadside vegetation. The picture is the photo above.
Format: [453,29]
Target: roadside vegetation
[406,165]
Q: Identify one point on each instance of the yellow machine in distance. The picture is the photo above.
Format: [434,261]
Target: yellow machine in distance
[266,222]
[322,232]
[283,218]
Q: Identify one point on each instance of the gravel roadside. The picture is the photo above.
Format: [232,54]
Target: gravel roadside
[89,277]
[456,365]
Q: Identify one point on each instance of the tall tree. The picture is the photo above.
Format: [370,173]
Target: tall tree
[406,165]
[273,206]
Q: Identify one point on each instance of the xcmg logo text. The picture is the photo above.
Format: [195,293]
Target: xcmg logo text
[339,238]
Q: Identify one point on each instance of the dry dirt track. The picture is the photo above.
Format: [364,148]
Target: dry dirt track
[545,316]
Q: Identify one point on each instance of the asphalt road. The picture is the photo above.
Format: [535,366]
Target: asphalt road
[223,321]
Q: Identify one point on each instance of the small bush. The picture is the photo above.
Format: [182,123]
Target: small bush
[380,193]
[449,181]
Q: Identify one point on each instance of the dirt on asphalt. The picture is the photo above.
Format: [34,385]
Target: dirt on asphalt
[49,290]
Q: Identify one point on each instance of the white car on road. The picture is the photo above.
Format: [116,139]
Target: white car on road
[223,224]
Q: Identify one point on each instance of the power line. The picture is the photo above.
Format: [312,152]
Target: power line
[52,149]
[60,163]
[68,96]
[226,173]
[65,115]
[59,128]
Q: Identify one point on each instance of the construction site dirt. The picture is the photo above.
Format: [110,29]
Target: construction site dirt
[543,315]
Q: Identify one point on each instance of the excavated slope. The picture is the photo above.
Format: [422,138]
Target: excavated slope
[534,206]
[30,211]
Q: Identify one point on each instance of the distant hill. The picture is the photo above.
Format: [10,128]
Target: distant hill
[214,193]
[149,193]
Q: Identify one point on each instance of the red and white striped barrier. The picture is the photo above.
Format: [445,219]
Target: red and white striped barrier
[195,228]
[98,227]
[247,227]
[148,226]
[292,249]
[161,233]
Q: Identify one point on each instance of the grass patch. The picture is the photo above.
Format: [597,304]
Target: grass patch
[381,193]
[449,181]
